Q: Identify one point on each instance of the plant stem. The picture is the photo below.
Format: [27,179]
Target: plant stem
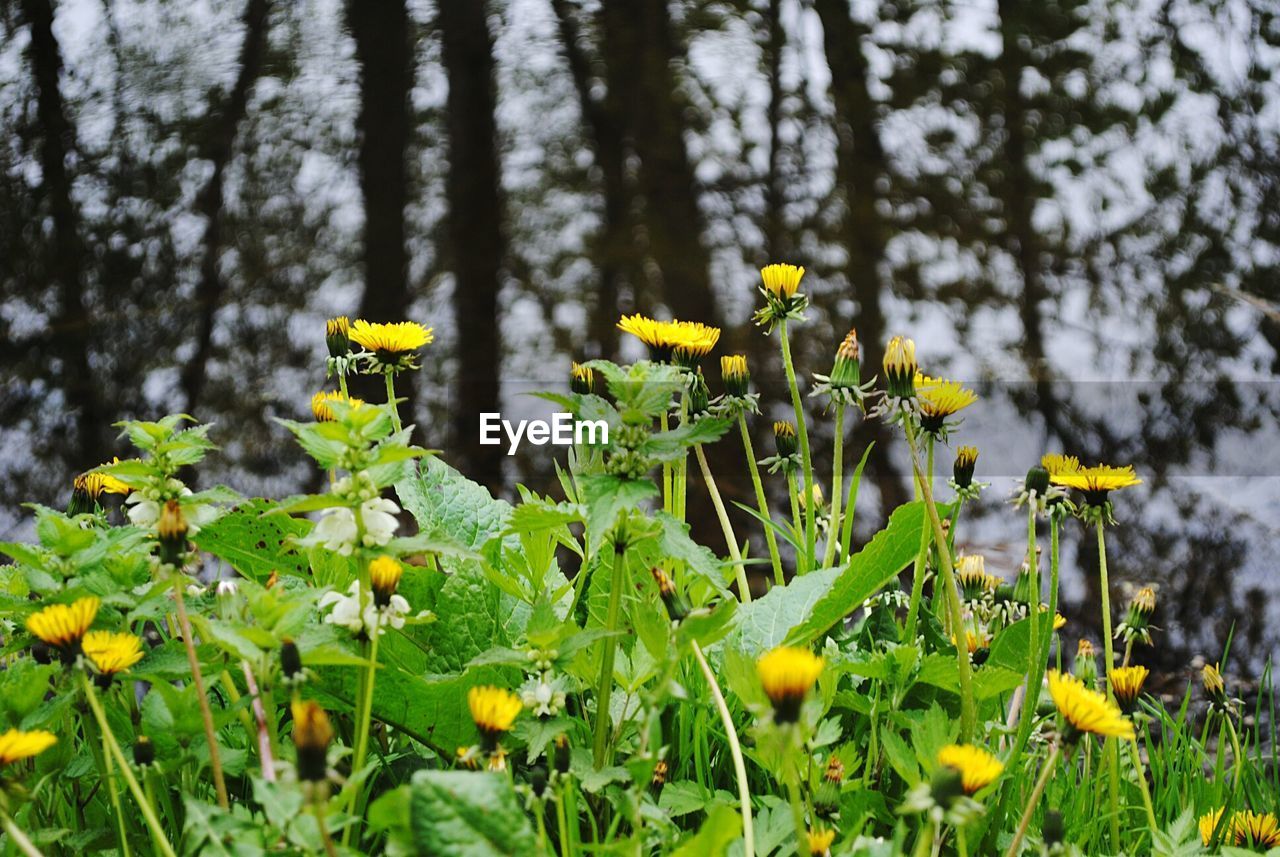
[1035,664]
[735,751]
[110,778]
[391,400]
[803,432]
[342,385]
[846,535]
[318,811]
[744,587]
[19,839]
[837,487]
[968,712]
[797,813]
[762,502]
[265,741]
[1036,792]
[668,502]
[1112,749]
[206,714]
[366,706]
[148,814]
[794,494]
[605,686]
[1142,784]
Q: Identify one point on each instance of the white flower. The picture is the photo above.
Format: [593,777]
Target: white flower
[228,587]
[380,523]
[145,510]
[336,530]
[358,614]
[543,698]
[144,513]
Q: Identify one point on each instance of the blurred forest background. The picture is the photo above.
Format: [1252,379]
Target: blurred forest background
[1074,205]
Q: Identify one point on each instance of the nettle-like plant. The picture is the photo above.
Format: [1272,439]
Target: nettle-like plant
[194,671]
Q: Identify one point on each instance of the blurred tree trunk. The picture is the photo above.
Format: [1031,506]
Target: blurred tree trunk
[614,245]
[860,164]
[638,49]
[777,247]
[72,328]
[474,229]
[223,121]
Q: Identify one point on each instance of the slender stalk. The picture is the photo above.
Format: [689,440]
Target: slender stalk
[148,814]
[604,687]
[1036,792]
[803,433]
[110,779]
[1112,749]
[762,502]
[668,502]
[562,825]
[837,487]
[366,707]
[17,837]
[391,400]
[924,842]
[1142,785]
[968,711]
[744,587]
[917,585]
[318,811]
[264,732]
[797,814]
[735,751]
[794,494]
[846,535]
[342,385]
[1035,664]
[197,677]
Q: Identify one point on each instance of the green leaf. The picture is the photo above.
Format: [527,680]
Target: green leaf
[451,508]
[607,495]
[721,829]
[1009,648]
[468,814]
[900,757]
[879,562]
[671,445]
[769,620]
[256,543]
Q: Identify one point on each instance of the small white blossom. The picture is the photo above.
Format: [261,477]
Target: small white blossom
[336,531]
[541,697]
[380,522]
[357,613]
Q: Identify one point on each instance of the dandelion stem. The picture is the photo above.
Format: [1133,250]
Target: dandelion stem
[197,677]
[1142,784]
[762,502]
[805,457]
[837,487]
[1036,792]
[604,687]
[148,814]
[797,812]
[1112,749]
[735,751]
[366,705]
[968,713]
[668,502]
[329,848]
[744,588]
[794,494]
[115,799]
[16,835]
[391,400]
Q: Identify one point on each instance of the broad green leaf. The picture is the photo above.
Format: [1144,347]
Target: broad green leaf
[451,508]
[606,496]
[1009,648]
[468,814]
[879,562]
[722,827]
[256,543]
[770,619]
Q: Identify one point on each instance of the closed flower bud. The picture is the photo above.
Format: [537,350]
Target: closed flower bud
[962,469]
[735,374]
[560,755]
[784,436]
[698,397]
[1214,687]
[900,367]
[384,576]
[846,372]
[1054,829]
[311,735]
[1086,664]
[677,606]
[581,379]
[336,336]
[660,771]
[171,532]
[947,786]
[290,660]
[1037,481]
[144,752]
[538,779]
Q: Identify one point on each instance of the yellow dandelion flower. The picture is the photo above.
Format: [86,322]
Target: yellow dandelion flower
[1086,710]
[582,380]
[974,642]
[977,767]
[962,468]
[311,736]
[322,404]
[1085,649]
[1097,481]
[62,625]
[692,338]
[651,332]
[1256,829]
[391,343]
[940,399]
[820,841]
[1054,462]
[900,367]
[1126,684]
[1209,823]
[781,281]
[493,709]
[787,674]
[337,336]
[16,745]
[112,652]
[736,374]
[1059,621]
[384,576]
[1211,678]
[95,484]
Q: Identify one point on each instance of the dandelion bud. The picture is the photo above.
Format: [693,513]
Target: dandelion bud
[1126,686]
[900,367]
[1054,830]
[538,779]
[735,374]
[311,735]
[818,499]
[698,396]
[826,799]
[384,577]
[677,606]
[947,786]
[846,373]
[788,674]
[962,468]
[1086,664]
[1214,687]
[971,574]
[171,532]
[784,436]
[290,660]
[560,756]
[144,752]
[1037,481]
[336,336]
[581,379]
[660,772]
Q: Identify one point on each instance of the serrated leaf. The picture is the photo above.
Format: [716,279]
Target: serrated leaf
[256,542]
[451,508]
[468,814]
[605,497]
